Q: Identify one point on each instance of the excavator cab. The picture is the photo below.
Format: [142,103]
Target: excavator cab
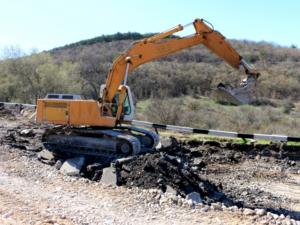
[128,104]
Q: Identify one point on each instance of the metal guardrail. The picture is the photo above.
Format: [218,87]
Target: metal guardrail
[13,104]
[220,133]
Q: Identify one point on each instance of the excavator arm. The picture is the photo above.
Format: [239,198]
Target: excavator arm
[158,46]
[95,128]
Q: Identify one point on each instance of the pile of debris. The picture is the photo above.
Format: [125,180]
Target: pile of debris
[204,171]
[170,169]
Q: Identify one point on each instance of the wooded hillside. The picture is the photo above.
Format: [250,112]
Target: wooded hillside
[82,67]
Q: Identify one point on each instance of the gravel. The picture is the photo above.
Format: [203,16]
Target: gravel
[233,183]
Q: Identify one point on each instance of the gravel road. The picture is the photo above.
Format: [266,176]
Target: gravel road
[35,193]
[32,192]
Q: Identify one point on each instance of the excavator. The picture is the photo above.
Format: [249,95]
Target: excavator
[102,127]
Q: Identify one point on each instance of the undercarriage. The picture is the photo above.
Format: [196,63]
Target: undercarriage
[114,143]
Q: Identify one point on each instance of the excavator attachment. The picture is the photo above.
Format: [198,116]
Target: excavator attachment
[237,96]
[243,94]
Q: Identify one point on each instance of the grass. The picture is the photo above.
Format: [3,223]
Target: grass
[199,137]
[142,106]
[207,114]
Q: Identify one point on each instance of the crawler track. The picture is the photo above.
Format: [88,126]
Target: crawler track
[108,143]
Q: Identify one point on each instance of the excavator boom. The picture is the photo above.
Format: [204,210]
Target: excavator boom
[96,127]
[157,46]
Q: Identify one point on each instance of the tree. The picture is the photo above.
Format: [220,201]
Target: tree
[31,77]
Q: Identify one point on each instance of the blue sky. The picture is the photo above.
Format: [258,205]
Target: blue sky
[46,24]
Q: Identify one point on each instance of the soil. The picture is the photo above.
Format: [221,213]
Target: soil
[230,178]
[252,176]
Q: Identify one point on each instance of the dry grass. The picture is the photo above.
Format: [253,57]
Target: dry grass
[207,114]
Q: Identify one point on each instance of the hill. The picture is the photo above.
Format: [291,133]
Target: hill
[86,64]
[196,69]
[82,67]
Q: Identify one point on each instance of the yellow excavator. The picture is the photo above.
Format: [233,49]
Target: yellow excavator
[96,127]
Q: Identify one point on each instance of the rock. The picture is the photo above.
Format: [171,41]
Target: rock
[45,154]
[59,164]
[158,196]
[34,149]
[199,162]
[163,201]
[172,159]
[248,212]
[244,193]
[7,215]
[126,168]
[49,162]
[272,215]
[224,208]
[266,152]
[27,133]
[233,208]
[287,222]
[72,166]
[109,176]
[94,167]
[195,197]
[237,156]
[166,142]
[174,199]
[275,216]
[97,175]
[194,168]
[281,217]
[205,208]
[159,181]
[227,144]
[269,215]
[190,202]
[171,190]
[216,206]
[212,143]
[260,212]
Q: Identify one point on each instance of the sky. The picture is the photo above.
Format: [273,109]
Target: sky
[45,24]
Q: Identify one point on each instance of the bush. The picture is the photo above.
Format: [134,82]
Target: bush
[165,111]
[204,113]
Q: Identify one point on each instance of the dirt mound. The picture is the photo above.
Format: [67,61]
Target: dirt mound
[161,170]
[245,175]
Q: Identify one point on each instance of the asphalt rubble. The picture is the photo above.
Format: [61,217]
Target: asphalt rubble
[179,171]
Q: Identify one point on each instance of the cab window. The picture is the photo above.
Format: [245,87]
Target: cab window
[126,105]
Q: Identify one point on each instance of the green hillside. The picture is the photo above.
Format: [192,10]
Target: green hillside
[83,66]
